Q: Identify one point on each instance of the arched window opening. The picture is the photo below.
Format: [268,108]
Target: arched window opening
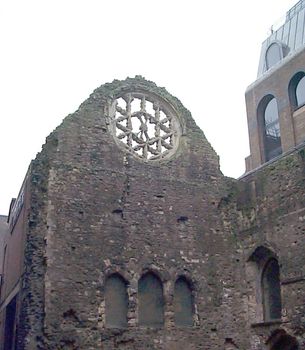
[297,90]
[300,92]
[116,302]
[271,290]
[151,301]
[183,303]
[263,276]
[268,113]
[274,54]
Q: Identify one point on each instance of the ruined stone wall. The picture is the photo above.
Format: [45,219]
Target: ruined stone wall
[268,213]
[97,211]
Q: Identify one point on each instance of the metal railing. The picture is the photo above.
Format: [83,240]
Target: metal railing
[295,9]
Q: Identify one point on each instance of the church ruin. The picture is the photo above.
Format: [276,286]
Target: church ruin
[126,235]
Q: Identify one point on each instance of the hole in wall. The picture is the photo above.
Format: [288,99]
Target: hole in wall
[182,219]
[117,211]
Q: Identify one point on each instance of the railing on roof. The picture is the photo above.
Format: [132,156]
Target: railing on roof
[295,9]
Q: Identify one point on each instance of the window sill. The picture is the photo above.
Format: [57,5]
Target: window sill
[267,323]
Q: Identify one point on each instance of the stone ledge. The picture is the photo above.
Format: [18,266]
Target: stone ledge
[266,323]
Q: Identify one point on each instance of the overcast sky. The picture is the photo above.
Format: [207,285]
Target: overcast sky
[54,53]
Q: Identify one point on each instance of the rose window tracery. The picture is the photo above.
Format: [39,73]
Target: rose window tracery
[145,125]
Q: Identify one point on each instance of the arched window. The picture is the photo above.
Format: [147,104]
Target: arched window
[151,301]
[300,92]
[116,302]
[183,303]
[297,90]
[263,276]
[274,54]
[269,118]
[271,290]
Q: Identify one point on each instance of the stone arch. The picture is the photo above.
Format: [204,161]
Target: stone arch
[183,302]
[151,300]
[264,303]
[116,301]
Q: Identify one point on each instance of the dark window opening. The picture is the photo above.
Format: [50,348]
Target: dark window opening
[183,303]
[9,330]
[151,301]
[271,289]
[116,302]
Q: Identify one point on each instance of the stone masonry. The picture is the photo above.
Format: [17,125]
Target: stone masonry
[104,201]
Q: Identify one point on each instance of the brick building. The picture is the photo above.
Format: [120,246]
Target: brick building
[126,235]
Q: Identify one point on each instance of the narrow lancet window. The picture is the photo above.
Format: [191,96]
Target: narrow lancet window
[183,303]
[271,289]
[116,302]
[151,301]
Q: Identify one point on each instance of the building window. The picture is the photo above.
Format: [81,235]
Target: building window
[271,290]
[183,303]
[269,117]
[151,301]
[274,54]
[263,278]
[297,90]
[116,302]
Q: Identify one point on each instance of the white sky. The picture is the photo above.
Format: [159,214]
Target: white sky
[54,53]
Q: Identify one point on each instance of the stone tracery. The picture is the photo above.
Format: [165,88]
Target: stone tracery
[145,126]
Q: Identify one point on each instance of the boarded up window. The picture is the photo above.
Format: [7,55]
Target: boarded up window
[183,303]
[271,290]
[116,302]
[151,302]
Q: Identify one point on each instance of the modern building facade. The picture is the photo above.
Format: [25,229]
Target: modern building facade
[275,101]
[126,235]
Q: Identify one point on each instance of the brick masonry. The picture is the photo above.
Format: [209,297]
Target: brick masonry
[292,123]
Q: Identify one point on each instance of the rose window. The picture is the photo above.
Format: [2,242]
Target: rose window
[145,125]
